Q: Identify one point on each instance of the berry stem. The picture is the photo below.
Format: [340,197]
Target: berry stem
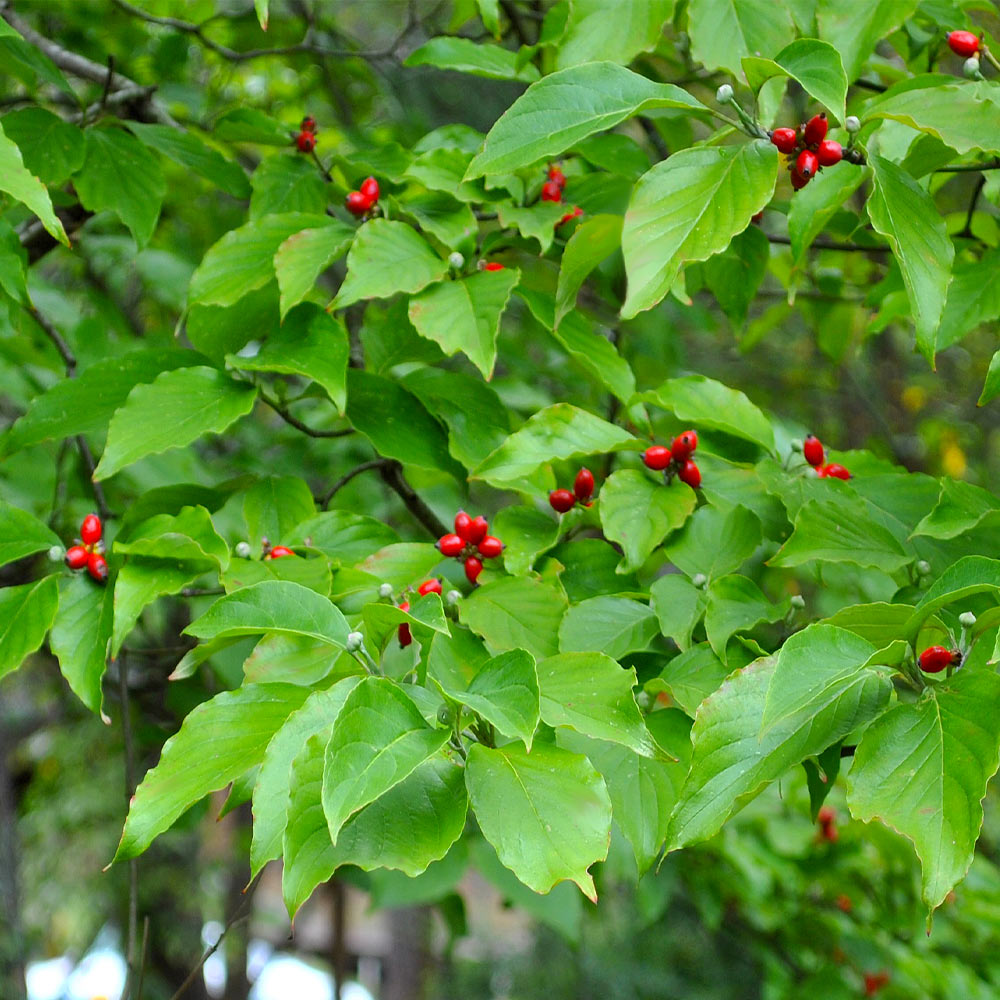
[327,176]
[990,58]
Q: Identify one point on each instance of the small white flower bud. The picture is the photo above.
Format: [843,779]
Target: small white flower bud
[456,260]
[643,700]
[852,123]
[385,590]
[355,640]
[56,553]
[971,67]
[243,550]
[453,596]
[795,444]
[797,601]
[967,619]
[699,579]
[923,567]
[724,94]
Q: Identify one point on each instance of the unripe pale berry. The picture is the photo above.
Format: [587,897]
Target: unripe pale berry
[797,601]
[923,567]
[852,123]
[829,153]
[355,640]
[370,189]
[76,557]
[583,485]
[385,590]
[561,501]
[807,164]
[935,658]
[786,139]
[356,203]
[815,130]
[551,191]
[490,547]
[812,450]
[683,445]
[451,545]
[473,567]
[971,68]
[56,553]
[690,473]
[91,529]
[97,567]
[243,550]
[966,619]
[432,586]
[699,580]
[963,43]
[724,94]
[657,457]
[456,260]
[453,596]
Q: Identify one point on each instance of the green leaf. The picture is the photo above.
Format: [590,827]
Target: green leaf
[341,535]
[310,343]
[991,387]
[715,542]
[120,175]
[244,259]
[445,218]
[814,65]
[218,741]
[560,431]
[463,55]
[188,535]
[22,185]
[735,275]
[854,30]
[489,14]
[304,256]
[26,614]
[378,739]
[13,264]
[879,623]
[733,761]
[504,691]
[906,216]
[386,258]
[813,207]
[275,505]
[591,35]
[273,606]
[516,612]
[547,813]
[960,507]
[968,576]
[312,573]
[81,635]
[397,423]
[592,694]
[261,8]
[678,606]
[527,532]
[289,183]
[189,151]
[271,791]
[841,531]
[615,625]
[638,512]
[973,298]
[565,107]
[52,149]
[537,222]
[250,125]
[171,412]
[593,240]
[922,769]
[723,32]
[464,315]
[706,403]
[402,563]
[691,677]
[22,534]
[425,615]
[689,207]
[736,604]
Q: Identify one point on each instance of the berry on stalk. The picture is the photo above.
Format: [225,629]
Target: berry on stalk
[477,530]
[551,191]
[97,567]
[657,457]
[798,181]
[556,175]
[683,445]
[807,164]
[432,586]
[473,567]
[76,557]
[450,545]
[462,522]
[405,638]
[561,500]
[812,450]
[815,130]
[490,547]
[963,43]
[306,142]
[690,473]
[279,552]
[356,203]
[492,265]
[583,485]
[829,153]
[786,139]
[370,190]
[91,529]
[935,658]
[835,471]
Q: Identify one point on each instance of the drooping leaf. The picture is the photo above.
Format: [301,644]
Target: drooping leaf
[304,256]
[341,535]
[591,35]
[715,542]
[855,30]
[816,66]
[26,614]
[22,534]
[22,185]
[960,508]
[463,55]
[52,149]
[81,635]
[814,206]
[614,625]
[289,183]
[724,31]
[516,612]
[678,606]
[273,506]
[735,603]
[593,240]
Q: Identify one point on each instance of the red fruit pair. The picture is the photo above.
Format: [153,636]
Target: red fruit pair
[934,659]
[470,541]
[676,460]
[362,201]
[279,551]
[963,43]
[583,490]
[90,554]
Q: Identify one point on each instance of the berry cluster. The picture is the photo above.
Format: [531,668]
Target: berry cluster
[90,552]
[306,139]
[935,658]
[583,490]
[812,451]
[470,544]
[676,460]
[431,586]
[362,201]
[810,148]
[552,190]
[827,819]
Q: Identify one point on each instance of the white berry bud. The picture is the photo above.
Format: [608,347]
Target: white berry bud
[643,700]
[355,640]
[923,567]
[453,596]
[385,590]
[797,601]
[967,619]
[971,67]
[456,259]
[56,553]
[724,94]
[699,579]
[795,444]
[243,550]
[852,123]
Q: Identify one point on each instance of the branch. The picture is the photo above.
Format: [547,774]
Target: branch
[966,230]
[376,463]
[392,473]
[830,245]
[133,973]
[961,168]
[293,421]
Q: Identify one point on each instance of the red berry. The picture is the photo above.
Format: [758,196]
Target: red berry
[306,142]
[473,567]
[786,139]
[279,551]
[935,658]
[91,529]
[493,265]
[759,217]
[462,522]
[561,501]
[826,815]
[844,903]
[830,833]
[963,43]
[429,587]
[683,445]
[478,529]
[836,471]
[490,547]
[812,450]
[308,124]
[370,190]
[551,191]
[569,216]
[690,474]
[829,153]
[451,545]
[815,130]
[404,630]
[583,485]
[97,567]
[557,176]
[657,457]
[76,557]
[357,203]
[798,181]
[807,164]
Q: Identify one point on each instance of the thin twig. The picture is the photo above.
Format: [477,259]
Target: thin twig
[201,592]
[654,137]
[829,244]
[375,463]
[142,958]
[392,473]
[293,421]
[968,168]
[107,82]
[966,230]
[133,866]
